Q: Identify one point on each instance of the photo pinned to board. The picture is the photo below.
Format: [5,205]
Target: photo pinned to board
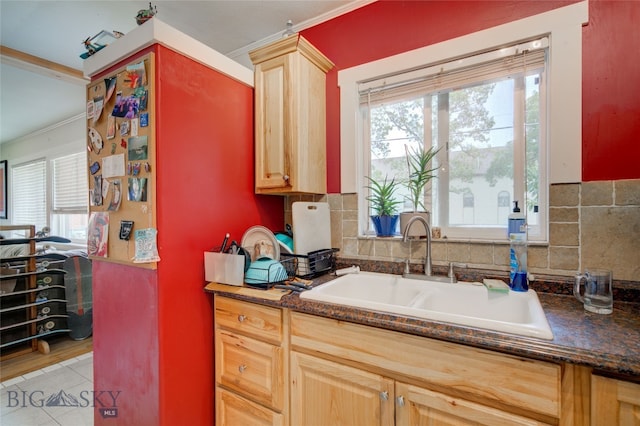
[98,234]
[110,86]
[111,127]
[136,75]
[98,103]
[137,189]
[116,199]
[126,106]
[138,148]
[96,191]
[134,126]
[124,128]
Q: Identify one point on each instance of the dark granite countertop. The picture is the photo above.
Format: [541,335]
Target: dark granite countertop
[607,343]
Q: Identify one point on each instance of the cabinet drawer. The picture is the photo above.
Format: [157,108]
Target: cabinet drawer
[232,410]
[417,406]
[504,379]
[250,367]
[261,322]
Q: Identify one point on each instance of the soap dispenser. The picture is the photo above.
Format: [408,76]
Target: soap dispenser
[518,250]
[516,221]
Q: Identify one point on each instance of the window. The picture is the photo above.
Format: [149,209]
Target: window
[65,211]
[69,197]
[29,193]
[486,114]
[558,106]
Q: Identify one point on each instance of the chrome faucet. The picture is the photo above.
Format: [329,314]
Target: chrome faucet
[405,237]
[451,278]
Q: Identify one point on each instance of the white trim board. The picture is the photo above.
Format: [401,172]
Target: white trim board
[564,27]
[154,31]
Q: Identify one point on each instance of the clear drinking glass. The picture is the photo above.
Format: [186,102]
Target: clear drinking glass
[598,292]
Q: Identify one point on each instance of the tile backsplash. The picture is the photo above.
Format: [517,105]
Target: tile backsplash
[591,225]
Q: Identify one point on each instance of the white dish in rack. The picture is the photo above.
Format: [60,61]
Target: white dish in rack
[260,235]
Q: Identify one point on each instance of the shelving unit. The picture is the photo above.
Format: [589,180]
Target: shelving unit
[32,297]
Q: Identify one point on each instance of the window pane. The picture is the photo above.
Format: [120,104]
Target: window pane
[72,226]
[534,154]
[394,128]
[70,186]
[70,197]
[29,189]
[480,158]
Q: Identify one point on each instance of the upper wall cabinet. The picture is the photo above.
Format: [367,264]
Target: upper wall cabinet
[290,114]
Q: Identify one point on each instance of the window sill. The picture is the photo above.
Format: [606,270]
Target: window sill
[454,240]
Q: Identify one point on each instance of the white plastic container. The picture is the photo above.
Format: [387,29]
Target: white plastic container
[224,268]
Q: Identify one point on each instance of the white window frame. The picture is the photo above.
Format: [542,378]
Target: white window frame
[506,63]
[48,156]
[564,29]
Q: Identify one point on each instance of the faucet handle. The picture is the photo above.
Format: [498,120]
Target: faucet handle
[452,274]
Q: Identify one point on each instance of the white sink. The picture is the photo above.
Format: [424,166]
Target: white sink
[469,304]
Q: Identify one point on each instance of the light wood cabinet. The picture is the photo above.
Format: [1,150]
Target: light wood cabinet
[614,402]
[280,367]
[251,368]
[328,393]
[290,117]
[233,410]
[434,382]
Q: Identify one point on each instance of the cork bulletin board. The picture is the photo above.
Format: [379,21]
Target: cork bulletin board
[121,165]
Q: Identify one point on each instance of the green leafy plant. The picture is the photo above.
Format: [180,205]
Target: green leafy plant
[421,172]
[382,196]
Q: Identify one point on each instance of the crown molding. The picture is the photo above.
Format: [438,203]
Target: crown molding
[243,52]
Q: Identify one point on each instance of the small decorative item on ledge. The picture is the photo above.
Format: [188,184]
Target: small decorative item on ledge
[97,42]
[145,14]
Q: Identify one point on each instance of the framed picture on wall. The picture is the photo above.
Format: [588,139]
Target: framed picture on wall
[4,207]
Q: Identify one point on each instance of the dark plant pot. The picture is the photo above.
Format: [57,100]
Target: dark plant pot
[385,226]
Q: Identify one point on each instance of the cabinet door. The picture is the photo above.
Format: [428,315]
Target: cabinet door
[273,136]
[418,406]
[251,368]
[327,393]
[232,410]
[614,402]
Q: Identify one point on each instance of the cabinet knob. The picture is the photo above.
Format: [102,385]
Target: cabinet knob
[384,395]
[400,401]
[286,178]
[241,368]
[241,318]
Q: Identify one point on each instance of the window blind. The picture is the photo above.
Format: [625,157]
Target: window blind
[70,186]
[29,189]
[439,78]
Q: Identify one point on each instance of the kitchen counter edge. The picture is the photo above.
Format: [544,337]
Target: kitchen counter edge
[610,344]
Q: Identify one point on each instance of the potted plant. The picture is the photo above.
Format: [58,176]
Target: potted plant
[384,205]
[419,164]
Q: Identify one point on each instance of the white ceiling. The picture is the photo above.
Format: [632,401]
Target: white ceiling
[31,99]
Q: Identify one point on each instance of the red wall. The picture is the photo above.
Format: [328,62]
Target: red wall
[153,331]
[611,107]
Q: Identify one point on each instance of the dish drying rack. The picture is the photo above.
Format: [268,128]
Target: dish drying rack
[312,264]
[291,266]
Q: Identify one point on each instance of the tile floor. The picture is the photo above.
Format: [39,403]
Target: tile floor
[60,394]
